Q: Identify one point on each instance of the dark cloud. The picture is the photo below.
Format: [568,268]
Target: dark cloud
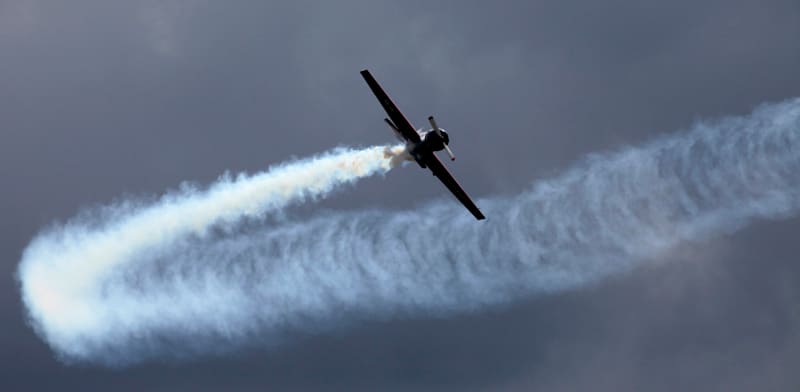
[99,100]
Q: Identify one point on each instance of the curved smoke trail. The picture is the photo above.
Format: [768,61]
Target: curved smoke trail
[137,284]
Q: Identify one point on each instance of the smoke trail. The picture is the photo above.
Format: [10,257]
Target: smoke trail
[142,284]
[63,270]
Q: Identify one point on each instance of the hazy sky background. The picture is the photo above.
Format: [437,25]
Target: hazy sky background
[103,99]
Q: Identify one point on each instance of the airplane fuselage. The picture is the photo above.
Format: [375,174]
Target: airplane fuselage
[430,142]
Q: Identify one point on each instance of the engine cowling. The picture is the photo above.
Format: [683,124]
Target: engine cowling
[434,142]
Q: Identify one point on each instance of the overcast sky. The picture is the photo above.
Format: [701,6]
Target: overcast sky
[103,99]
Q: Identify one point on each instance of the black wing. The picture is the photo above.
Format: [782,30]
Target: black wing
[441,172]
[403,126]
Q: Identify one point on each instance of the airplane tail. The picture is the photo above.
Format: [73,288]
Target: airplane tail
[396,131]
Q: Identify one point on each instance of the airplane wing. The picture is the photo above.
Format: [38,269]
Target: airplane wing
[403,126]
[445,177]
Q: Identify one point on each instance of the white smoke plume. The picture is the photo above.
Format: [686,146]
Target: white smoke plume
[185,276]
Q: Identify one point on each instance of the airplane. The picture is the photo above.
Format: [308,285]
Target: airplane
[422,145]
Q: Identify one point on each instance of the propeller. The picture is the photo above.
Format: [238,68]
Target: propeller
[441,137]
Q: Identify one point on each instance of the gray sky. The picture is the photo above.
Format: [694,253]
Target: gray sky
[105,99]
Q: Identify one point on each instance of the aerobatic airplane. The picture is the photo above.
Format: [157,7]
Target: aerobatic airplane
[421,145]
